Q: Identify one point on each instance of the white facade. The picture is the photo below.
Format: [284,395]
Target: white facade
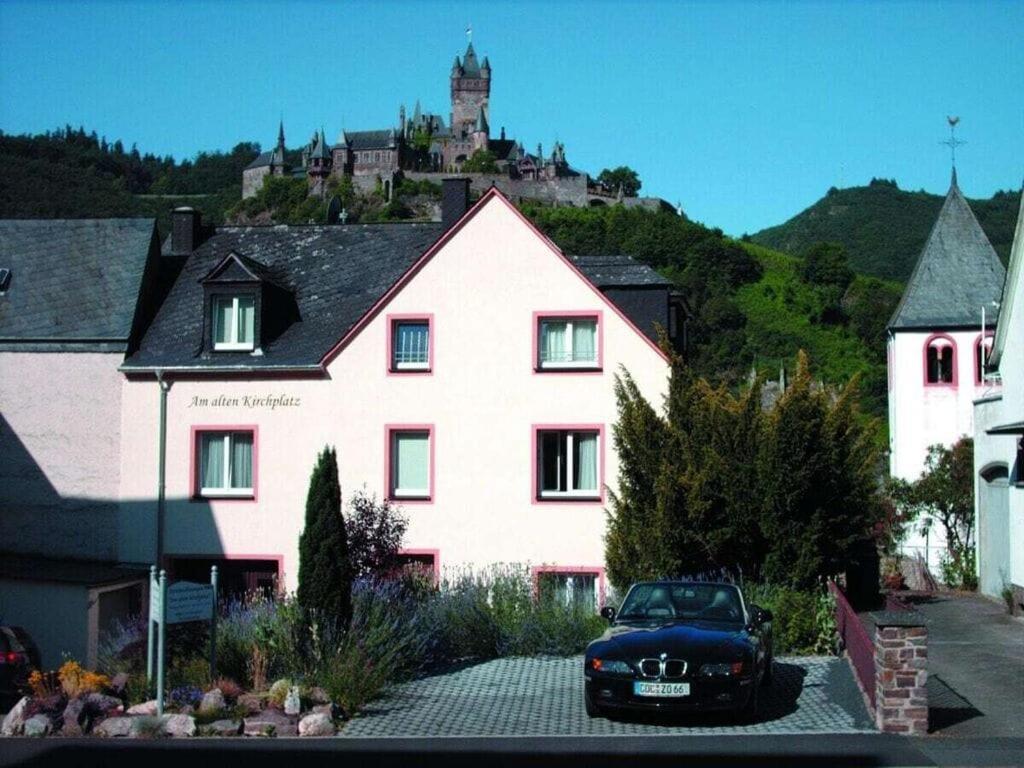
[998,458]
[481,401]
[923,413]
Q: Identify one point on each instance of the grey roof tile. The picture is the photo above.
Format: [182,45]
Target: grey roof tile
[957,273]
[618,270]
[72,280]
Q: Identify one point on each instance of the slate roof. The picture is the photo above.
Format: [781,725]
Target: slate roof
[74,282]
[336,274]
[620,270]
[262,159]
[957,273]
[370,139]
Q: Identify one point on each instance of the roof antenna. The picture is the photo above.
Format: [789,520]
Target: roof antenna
[953,142]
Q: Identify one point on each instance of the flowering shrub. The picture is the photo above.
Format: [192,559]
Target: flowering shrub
[44,685]
[229,688]
[186,696]
[75,680]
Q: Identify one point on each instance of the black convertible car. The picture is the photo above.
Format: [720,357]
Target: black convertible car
[680,645]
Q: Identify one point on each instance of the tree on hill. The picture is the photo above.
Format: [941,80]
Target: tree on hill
[325,574]
[481,161]
[827,264]
[624,177]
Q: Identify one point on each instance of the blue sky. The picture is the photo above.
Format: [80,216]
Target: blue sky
[745,113]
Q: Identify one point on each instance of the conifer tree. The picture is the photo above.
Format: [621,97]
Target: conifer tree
[325,580]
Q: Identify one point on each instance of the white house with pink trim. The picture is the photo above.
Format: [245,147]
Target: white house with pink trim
[464,370]
[939,337]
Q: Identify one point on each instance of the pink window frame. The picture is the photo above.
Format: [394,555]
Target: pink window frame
[535,497]
[193,475]
[596,314]
[978,380]
[595,570]
[391,429]
[434,553]
[169,558]
[392,319]
[924,361]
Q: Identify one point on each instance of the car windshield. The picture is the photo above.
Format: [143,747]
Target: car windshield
[672,602]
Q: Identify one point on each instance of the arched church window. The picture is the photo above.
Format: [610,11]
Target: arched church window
[982,349]
[940,360]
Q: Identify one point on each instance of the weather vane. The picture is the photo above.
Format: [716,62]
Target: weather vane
[952,142]
[469,33]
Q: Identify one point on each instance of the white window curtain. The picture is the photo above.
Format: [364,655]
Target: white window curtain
[241,460]
[553,348]
[412,343]
[223,315]
[246,319]
[585,465]
[411,472]
[584,337]
[213,460]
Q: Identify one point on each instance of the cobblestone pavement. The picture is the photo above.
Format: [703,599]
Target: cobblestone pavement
[542,697]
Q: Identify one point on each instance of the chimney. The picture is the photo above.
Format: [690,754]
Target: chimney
[185,228]
[454,200]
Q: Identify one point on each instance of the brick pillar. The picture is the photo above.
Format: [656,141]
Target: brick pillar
[901,672]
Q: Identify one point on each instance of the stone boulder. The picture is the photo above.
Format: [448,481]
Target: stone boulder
[145,708]
[252,702]
[76,718]
[270,721]
[179,726]
[316,724]
[212,703]
[38,725]
[14,721]
[293,702]
[115,727]
[226,727]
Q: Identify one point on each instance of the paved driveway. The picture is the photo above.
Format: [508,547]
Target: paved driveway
[542,697]
[975,667]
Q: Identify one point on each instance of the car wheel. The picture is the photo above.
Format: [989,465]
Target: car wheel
[588,704]
[752,709]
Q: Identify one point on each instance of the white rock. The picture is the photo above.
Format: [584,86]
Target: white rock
[292,702]
[115,727]
[316,724]
[179,725]
[38,725]
[14,722]
[213,701]
[145,708]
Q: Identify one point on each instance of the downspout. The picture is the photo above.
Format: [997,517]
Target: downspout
[165,386]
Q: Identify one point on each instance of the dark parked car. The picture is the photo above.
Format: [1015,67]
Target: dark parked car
[677,645]
[18,657]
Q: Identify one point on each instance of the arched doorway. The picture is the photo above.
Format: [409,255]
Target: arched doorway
[993,528]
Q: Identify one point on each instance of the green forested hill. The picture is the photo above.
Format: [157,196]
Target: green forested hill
[883,227]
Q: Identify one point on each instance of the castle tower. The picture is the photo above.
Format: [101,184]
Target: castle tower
[471,92]
[320,164]
[481,131]
[936,347]
[277,158]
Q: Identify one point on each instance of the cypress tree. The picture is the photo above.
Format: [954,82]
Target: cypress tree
[325,580]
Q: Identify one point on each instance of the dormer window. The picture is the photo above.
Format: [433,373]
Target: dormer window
[234,322]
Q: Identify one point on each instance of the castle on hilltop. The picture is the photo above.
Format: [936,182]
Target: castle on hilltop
[424,146]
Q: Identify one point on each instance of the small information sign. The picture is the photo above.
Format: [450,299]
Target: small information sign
[189,601]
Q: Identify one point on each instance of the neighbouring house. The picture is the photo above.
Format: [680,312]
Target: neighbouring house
[462,369]
[999,444]
[939,337]
[75,296]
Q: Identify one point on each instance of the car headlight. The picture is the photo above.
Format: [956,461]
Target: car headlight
[611,667]
[728,668]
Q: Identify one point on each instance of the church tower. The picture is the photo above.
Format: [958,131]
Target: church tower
[320,165]
[938,341]
[471,92]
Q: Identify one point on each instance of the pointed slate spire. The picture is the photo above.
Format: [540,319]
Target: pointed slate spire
[957,272]
[320,151]
[417,113]
[280,134]
[457,66]
[485,68]
[470,67]
[481,122]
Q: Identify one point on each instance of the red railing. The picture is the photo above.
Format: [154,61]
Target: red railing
[855,639]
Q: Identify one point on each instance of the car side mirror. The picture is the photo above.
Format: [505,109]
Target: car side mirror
[608,613]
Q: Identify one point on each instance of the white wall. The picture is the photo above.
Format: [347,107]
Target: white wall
[60,437]
[482,398]
[922,415]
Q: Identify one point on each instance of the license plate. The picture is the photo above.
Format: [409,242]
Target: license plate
[661,689]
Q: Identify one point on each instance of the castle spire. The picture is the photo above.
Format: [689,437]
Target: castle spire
[280,134]
[481,122]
